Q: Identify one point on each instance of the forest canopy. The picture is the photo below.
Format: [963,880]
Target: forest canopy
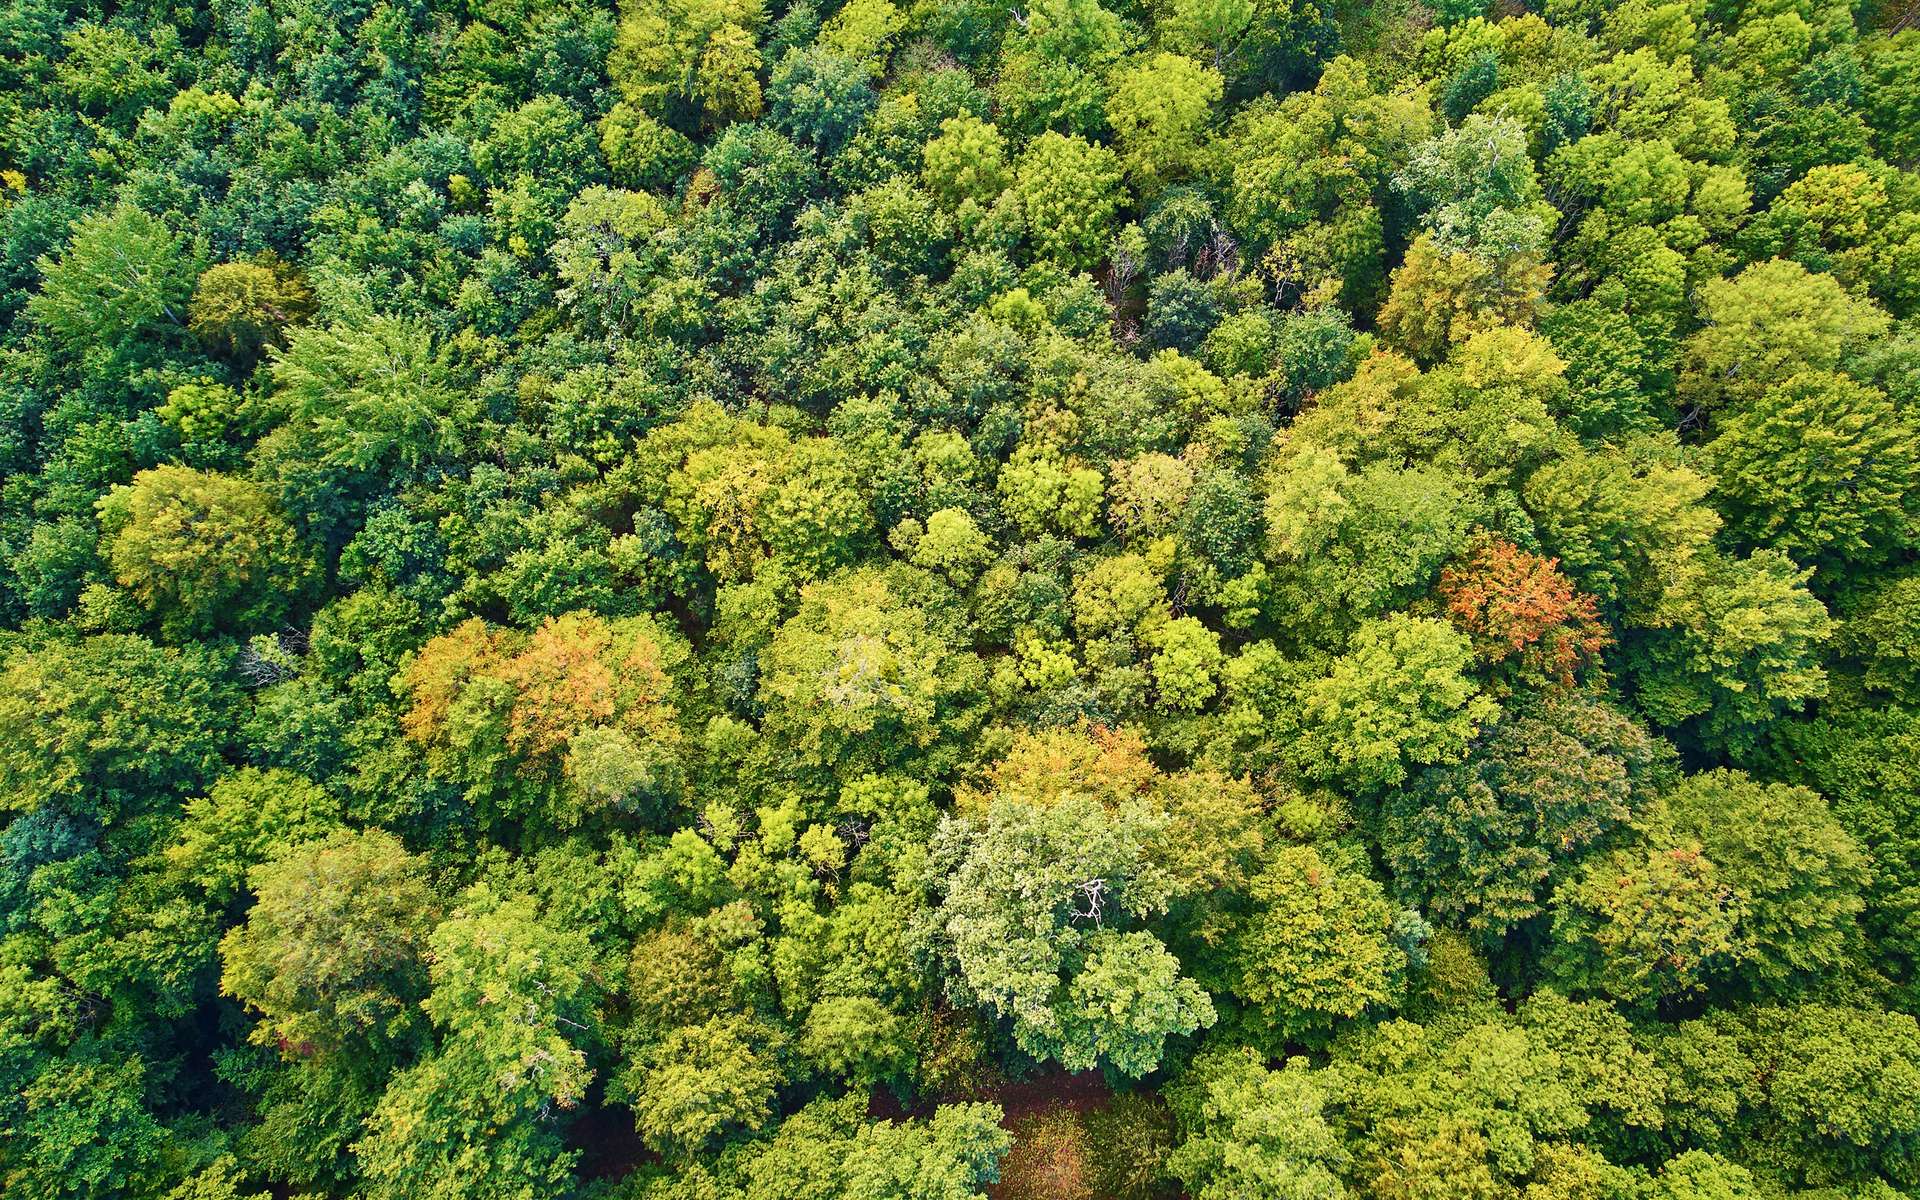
[934,599]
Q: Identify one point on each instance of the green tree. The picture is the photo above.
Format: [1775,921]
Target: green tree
[1736,644]
[1159,108]
[1819,468]
[242,307]
[333,952]
[967,161]
[1398,698]
[1796,874]
[1316,948]
[124,276]
[371,393]
[858,669]
[702,1082]
[1069,190]
[1251,1131]
[110,725]
[689,61]
[1767,324]
[1037,897]
[247,819]
[203,552]
[1486,842]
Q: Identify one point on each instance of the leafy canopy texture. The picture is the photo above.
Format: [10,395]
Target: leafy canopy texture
[958,600]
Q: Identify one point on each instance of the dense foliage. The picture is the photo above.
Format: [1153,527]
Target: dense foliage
[701,600]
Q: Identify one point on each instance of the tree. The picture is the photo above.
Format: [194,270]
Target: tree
[567,721]
[1796,874]
[1039,892]
[333,952]
[858,668]
[124,276]
[702,1082]
[819,97]
[110,725]
[203,552]
[1315,949]
[689,61]
[241,308]
[641,151]
[1347,547]
[1772,321]
[967,161]
[509,995]
[1479,190]
[856,1037]
[1069,190]
[1253,1132]
[1518,606]
[83,1130]
[828,1149]
[1485,842]
[1158,108]
[245,820]
[370,394]
[1841,1083]
[1643,925]
[1398,698]
[1734,646]
[1441,297]
[1819,468]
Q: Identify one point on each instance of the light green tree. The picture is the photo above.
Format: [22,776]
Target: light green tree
[1398,698]
[203,552]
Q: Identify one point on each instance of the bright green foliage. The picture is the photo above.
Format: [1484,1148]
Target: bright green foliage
[1068,190]
[640,150]
[689,59]
[109,724]
[1186,663]
[701,1082]
[438,1132]
[856,663]
[1349,546]
[1737,644]
[203,552]
[855,1036]
[1257,1132]
[1124,1001]
[507,992]
[1484,842]
[1316,948]
[952,544]
[124,276]
[827,1150]
[1398,698]
[967,161]
[725,600]
[245,306]
[1773,321]
[1157,110]
[1819,467]
[368,395]
[510,989]
[246,820]
[333,953]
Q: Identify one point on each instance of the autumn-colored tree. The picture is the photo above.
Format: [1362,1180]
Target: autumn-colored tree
[1518,606]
